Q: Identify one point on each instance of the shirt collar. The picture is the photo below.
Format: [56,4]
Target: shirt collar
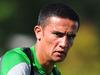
[36,63]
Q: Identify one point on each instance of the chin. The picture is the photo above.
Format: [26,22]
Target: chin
[59,60]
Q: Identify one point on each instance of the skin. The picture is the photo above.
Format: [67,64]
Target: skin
[54,40]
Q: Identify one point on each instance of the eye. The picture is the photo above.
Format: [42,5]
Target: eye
[71,36]
[58,34]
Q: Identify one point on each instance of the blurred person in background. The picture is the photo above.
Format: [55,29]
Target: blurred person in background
[55,31]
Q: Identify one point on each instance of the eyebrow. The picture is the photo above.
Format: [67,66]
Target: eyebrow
[68,33]
[63,32]
[58,32]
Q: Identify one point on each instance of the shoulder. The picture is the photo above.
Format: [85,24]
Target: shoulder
[14,59]
[20,69]
[15,54]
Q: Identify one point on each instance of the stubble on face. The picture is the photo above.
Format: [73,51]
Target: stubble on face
[50,43]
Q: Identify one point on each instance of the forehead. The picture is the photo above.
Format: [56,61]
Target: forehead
[61,24]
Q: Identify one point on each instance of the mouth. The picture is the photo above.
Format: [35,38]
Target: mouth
[60,53]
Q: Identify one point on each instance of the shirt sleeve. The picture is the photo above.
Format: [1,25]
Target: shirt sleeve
[15,62]
[20,69]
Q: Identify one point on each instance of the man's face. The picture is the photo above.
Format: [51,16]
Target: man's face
[57,37]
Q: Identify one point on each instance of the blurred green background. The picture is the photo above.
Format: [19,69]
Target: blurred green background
[17,20]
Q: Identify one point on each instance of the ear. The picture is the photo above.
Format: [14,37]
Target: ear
[38,32]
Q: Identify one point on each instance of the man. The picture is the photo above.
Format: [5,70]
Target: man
[55,32]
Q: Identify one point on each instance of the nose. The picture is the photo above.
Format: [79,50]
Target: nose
[63,42]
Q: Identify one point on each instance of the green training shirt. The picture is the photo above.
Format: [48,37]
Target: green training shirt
[16,62]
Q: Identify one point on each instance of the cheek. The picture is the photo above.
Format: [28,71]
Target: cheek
[50,42]
[70,43]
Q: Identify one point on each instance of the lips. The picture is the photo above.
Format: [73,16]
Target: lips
[60,53]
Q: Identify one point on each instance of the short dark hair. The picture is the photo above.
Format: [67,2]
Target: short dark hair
[59,10]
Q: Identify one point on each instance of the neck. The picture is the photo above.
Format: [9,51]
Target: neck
[43,60]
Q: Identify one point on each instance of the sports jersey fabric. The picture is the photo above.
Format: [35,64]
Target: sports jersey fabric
[16,62]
